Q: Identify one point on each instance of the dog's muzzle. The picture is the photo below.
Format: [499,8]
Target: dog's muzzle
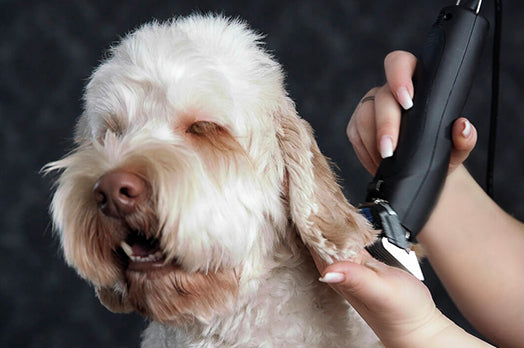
[120,195]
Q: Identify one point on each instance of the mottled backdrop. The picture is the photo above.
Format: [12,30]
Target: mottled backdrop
[332,52]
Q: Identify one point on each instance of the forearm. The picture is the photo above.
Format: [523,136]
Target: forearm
[439,332]
[477,250]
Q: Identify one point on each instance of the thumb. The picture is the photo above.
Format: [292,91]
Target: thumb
[360,279]
[464,137]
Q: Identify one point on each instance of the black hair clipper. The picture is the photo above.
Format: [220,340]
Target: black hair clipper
[407,185]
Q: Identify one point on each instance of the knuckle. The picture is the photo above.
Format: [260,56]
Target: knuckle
[382,91]
[364,122]
[373,91]
[393,56]
[352,134]
[387,131]
[396,55]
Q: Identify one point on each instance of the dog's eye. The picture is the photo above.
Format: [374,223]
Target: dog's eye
[113,126]
[203,127]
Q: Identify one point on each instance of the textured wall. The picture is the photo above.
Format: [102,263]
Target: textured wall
[332,52]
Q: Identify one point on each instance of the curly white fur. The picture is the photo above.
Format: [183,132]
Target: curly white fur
[237,188]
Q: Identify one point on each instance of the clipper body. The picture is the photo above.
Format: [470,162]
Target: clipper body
[409,182]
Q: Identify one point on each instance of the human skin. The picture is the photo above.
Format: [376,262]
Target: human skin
[473,245]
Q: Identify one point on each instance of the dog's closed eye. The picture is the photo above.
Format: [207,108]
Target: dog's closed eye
[204,128]
[112,125]
[212,136]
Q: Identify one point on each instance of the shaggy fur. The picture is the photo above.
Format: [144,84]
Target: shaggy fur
[234,188]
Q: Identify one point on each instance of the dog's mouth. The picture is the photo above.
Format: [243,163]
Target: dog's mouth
[142,253]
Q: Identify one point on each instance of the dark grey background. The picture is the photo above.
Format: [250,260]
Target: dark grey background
[332,52]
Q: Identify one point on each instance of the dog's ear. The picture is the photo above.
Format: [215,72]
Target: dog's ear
[113,300]
[324,219]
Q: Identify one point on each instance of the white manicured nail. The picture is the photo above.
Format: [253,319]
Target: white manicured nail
[467,129]
[386,146]
[333,278]
[403,98]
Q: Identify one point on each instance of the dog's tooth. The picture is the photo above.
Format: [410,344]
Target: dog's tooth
[127,249]
[136,258]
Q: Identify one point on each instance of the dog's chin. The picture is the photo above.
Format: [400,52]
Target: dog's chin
[168,294]
[162,290]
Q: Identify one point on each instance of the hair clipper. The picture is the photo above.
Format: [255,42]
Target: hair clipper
[407,185]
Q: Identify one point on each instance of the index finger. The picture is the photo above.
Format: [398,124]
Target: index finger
[399,67]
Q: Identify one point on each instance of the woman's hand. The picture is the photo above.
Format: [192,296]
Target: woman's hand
[374,126]
[396,305]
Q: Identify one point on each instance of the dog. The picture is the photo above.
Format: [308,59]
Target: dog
[195,192]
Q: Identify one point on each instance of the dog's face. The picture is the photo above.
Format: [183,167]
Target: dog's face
[190,164]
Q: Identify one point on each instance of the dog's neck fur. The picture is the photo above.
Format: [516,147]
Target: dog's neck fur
[284,307]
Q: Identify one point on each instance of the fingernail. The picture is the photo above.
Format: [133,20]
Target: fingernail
[467,129]
[333,278]
[403,98]
[386,146]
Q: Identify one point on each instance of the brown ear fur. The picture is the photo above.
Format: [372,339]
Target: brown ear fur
[325,221]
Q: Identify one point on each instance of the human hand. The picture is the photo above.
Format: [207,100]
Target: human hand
[374,126]
[396,305]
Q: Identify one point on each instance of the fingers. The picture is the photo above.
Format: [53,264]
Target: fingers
[364,279]
[349,275]
[319,262]
[393,302]
[464,137]
[362,266]
[358,278]
[373,129]
[371,283]
[361,132]
[374,126]
[399,67]
[387,118]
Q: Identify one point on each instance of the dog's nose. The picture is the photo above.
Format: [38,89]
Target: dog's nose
[119,193]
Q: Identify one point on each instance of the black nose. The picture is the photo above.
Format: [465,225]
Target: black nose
[119,193]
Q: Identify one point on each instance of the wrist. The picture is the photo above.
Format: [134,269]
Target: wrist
[456,187]
[437,332]
[422,334]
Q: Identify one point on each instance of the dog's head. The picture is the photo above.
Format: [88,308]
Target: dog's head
[191,166]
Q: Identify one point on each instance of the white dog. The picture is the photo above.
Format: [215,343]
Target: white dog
[194,190]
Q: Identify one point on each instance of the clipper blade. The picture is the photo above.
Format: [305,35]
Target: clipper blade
[392,255]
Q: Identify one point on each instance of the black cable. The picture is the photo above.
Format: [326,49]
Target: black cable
[494,97]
